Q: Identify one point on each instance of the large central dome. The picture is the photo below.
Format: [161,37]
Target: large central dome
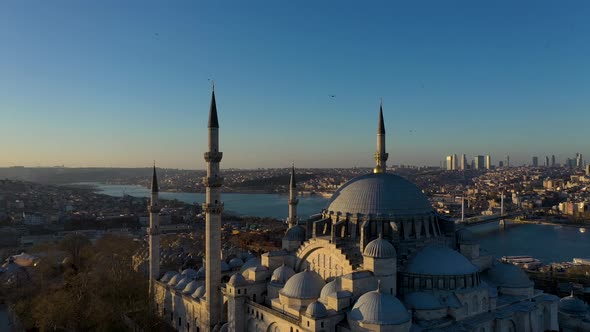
[380,194]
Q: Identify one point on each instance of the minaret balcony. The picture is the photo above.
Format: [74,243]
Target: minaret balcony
[294,201]
[213,208]
[213,156]
[212,181]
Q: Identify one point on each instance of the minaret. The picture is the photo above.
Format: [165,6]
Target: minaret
[154,235]
[293,201]
[380,154]
[213,208]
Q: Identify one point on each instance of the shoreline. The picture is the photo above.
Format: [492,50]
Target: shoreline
[550,223]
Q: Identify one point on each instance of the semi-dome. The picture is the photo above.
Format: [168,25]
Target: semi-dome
[225,267]
[282,274]
[508,275]
[572,305]
[295,233]
[465,236]
[199,292]
[235,263]
[380,248]
[380,309]
[384,194]
[330,288]
[422,301]
[316,310]
[438,260]
[304,285]
[237,280]
[182,283]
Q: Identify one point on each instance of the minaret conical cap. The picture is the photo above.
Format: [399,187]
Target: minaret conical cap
[155,188]
[293,183]
[213,122]
[381,125]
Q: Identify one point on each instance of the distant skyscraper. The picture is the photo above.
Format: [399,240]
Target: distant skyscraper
[449,162]
[579,160]
[479,162]
[454,162]
[500,163]
[507,161]
[488,162]
[588,170]
[547,161]
[535,161]
[463,162]
[552,160]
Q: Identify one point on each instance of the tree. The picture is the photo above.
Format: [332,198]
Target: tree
[74,244]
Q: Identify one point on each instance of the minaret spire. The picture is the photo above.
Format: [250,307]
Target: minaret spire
[154,235]
[293,201]
[380,154]
[213,208]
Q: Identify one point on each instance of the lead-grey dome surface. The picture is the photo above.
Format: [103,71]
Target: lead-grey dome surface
[316,310]
[304,285]
[508,275]
[282,274]
[380,194]
[439,260]
[379,248]
[295,233]
[380,309]
[573,305]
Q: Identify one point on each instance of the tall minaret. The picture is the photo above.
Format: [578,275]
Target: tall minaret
[154,234]
[213,208]
[380,154]
[293,201]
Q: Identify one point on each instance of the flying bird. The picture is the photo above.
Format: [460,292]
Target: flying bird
[332,96]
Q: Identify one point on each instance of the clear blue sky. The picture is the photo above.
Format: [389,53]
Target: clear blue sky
[100,83]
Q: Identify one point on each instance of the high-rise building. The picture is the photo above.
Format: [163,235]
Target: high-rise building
[488,162]
[479,162]
[535,161]
[553,160]
[500,163]
[579,160]
[449,163]
[463,162]
[547,161]
[454,162]
[507,161]
[587,170]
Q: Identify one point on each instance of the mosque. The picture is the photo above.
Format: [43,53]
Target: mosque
[377,258]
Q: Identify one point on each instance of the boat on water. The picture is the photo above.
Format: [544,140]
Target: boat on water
[525,262]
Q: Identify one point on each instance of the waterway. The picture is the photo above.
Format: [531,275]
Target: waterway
[545,242]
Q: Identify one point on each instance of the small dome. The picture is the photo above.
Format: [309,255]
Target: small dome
[182,283]
[191,287]
[437,260]
[295,233]
[465,236]
[282,274]
[251,262]
[175,279]
[304,285]
[330,288]
[167,276]
[237,280]
[190,273]
[380,309]
[316,310]
[572,305]
[422,301]
[384,194]
[225,267]
[235,263]
[508,275]
[380,248]
[199,292]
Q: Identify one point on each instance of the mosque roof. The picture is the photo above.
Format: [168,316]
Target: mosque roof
[384,194]
[439,260]
[237,280]
[508,275]
[422,301]
[329,289]
[380,248]
[295,233]
[379,308]
[316,310]
[304,285]
[571,304]
[282,274]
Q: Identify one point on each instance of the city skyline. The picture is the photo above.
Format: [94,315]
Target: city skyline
[487,79]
